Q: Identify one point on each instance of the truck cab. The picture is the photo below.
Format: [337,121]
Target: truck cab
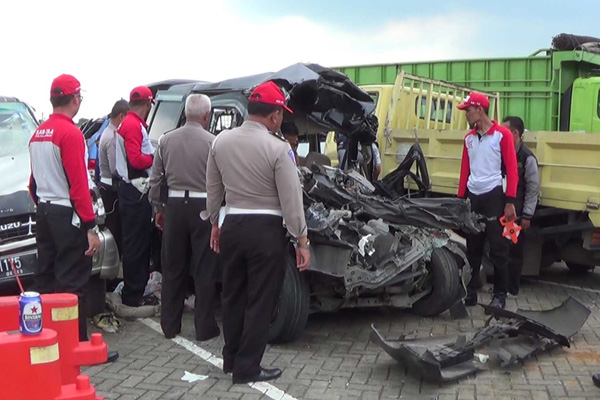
[584,114]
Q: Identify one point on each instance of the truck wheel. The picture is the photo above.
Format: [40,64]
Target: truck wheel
[293,306]
[95,295]
[446,283]
[576,268]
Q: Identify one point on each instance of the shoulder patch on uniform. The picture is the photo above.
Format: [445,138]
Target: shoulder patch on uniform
[291,154]
[278,135]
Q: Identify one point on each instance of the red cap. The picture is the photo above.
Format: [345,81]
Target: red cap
[269,93]
[141,93]
[64,85]
[475,99]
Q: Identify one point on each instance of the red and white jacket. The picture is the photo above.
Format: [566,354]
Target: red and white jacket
[482,160]
[134,152]
[58,170]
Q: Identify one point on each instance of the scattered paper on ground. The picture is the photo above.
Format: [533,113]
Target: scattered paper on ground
[191,378]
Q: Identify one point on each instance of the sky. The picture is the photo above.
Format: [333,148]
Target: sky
[112,46]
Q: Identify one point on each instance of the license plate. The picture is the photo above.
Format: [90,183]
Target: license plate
[24,265]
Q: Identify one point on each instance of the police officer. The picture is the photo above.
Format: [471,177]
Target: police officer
[180,162]
[134,156]
[108,171]
[488,150]
[528,191]
[254,169]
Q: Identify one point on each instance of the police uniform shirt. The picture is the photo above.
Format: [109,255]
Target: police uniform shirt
[107,148]
[256,171]
[181,156]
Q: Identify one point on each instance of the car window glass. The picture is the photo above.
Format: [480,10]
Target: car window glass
[223,118]
[167,117]
[16,127]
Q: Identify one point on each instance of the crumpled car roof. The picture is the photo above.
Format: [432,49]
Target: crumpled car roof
[318,95]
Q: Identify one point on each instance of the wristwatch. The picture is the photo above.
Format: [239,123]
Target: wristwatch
[303,246]
[95,229]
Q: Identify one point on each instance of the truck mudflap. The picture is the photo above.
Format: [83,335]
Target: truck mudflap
[515,337]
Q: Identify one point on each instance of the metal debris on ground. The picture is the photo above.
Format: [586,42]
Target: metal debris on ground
[515,337]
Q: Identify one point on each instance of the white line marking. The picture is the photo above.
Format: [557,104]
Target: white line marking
[266,388]
[564,285]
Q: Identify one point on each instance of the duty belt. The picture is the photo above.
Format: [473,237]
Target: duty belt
[187,194]
[234,210]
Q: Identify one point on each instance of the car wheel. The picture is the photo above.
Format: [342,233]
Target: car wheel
[292,309]
[95,295]
[576,268]
[446,283]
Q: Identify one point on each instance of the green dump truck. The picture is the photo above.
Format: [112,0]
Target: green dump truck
[557,93]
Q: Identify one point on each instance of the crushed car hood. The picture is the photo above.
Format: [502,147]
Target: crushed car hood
[341,190]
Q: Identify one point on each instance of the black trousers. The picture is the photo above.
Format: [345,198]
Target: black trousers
[110,198]
[253,254]
[136,225]
[515,265]
[491,205]
[63,266]
[187,253]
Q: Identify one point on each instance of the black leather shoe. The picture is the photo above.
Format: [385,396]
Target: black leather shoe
[112,357]
[263,375]
[498,302]
[596,379]
[471,298]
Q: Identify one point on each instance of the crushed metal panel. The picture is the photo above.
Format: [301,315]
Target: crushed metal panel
[413,353]
[559,323]
[516,337]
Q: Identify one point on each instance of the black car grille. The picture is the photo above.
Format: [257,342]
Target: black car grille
[16,228]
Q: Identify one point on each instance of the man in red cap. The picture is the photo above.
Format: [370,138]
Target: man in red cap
[134,158]
[253,167]
[66,231]
[488,149]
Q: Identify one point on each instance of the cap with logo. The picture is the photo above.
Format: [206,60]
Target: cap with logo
[269,93]
[141,93]
[475,99]
[64,85]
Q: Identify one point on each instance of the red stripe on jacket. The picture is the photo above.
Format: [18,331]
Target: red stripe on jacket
[66,167]
[131,131]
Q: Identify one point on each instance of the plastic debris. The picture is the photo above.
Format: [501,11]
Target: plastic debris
[191,378]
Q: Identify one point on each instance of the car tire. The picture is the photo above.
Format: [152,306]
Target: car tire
[95,295]
[446,284]
[577,268]
[293,306]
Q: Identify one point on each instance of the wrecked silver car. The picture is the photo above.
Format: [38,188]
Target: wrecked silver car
[370,246]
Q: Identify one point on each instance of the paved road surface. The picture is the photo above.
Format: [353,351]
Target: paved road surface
[333,359]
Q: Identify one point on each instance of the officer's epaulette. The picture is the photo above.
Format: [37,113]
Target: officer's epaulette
[278,135]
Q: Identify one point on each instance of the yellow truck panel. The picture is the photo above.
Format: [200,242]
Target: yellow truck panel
[569,164]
